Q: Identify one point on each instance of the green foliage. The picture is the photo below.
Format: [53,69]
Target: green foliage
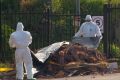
[93,7]
[68,6]
[35,6]
[25,6]
[61,25]
[5,65]
[56,6]
[9,5]
[6,52]
[115,50]
[100,47]
[115,1]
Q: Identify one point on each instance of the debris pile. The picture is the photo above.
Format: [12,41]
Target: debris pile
[69,60]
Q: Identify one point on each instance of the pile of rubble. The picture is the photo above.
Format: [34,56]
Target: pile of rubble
[69,60]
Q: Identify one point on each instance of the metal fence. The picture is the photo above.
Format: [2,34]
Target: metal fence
[32,23]
[44,27]
[48,28]
[112,30]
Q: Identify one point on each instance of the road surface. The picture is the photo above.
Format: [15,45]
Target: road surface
[115,76]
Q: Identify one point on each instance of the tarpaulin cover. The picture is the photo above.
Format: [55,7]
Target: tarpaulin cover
[43,54]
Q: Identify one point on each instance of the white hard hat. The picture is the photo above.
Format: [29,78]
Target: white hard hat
[88,17]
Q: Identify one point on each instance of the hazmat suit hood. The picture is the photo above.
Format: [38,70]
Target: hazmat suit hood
[88,18]
[20,26]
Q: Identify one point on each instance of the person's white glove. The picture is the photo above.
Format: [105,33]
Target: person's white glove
[95,35]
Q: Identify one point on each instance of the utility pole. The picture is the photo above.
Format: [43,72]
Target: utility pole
[77,7]
[77,17]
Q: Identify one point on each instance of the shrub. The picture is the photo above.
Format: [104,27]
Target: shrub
[6,52]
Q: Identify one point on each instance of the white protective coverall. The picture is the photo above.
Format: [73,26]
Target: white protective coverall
[89,33]
[21,40]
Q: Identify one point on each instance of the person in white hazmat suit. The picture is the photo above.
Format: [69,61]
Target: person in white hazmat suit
[89,34]
[21,40]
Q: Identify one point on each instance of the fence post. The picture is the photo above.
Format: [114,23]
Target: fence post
[106,35]
[0,37]
[48,26]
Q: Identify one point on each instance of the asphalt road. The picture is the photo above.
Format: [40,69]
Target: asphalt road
[115,76]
